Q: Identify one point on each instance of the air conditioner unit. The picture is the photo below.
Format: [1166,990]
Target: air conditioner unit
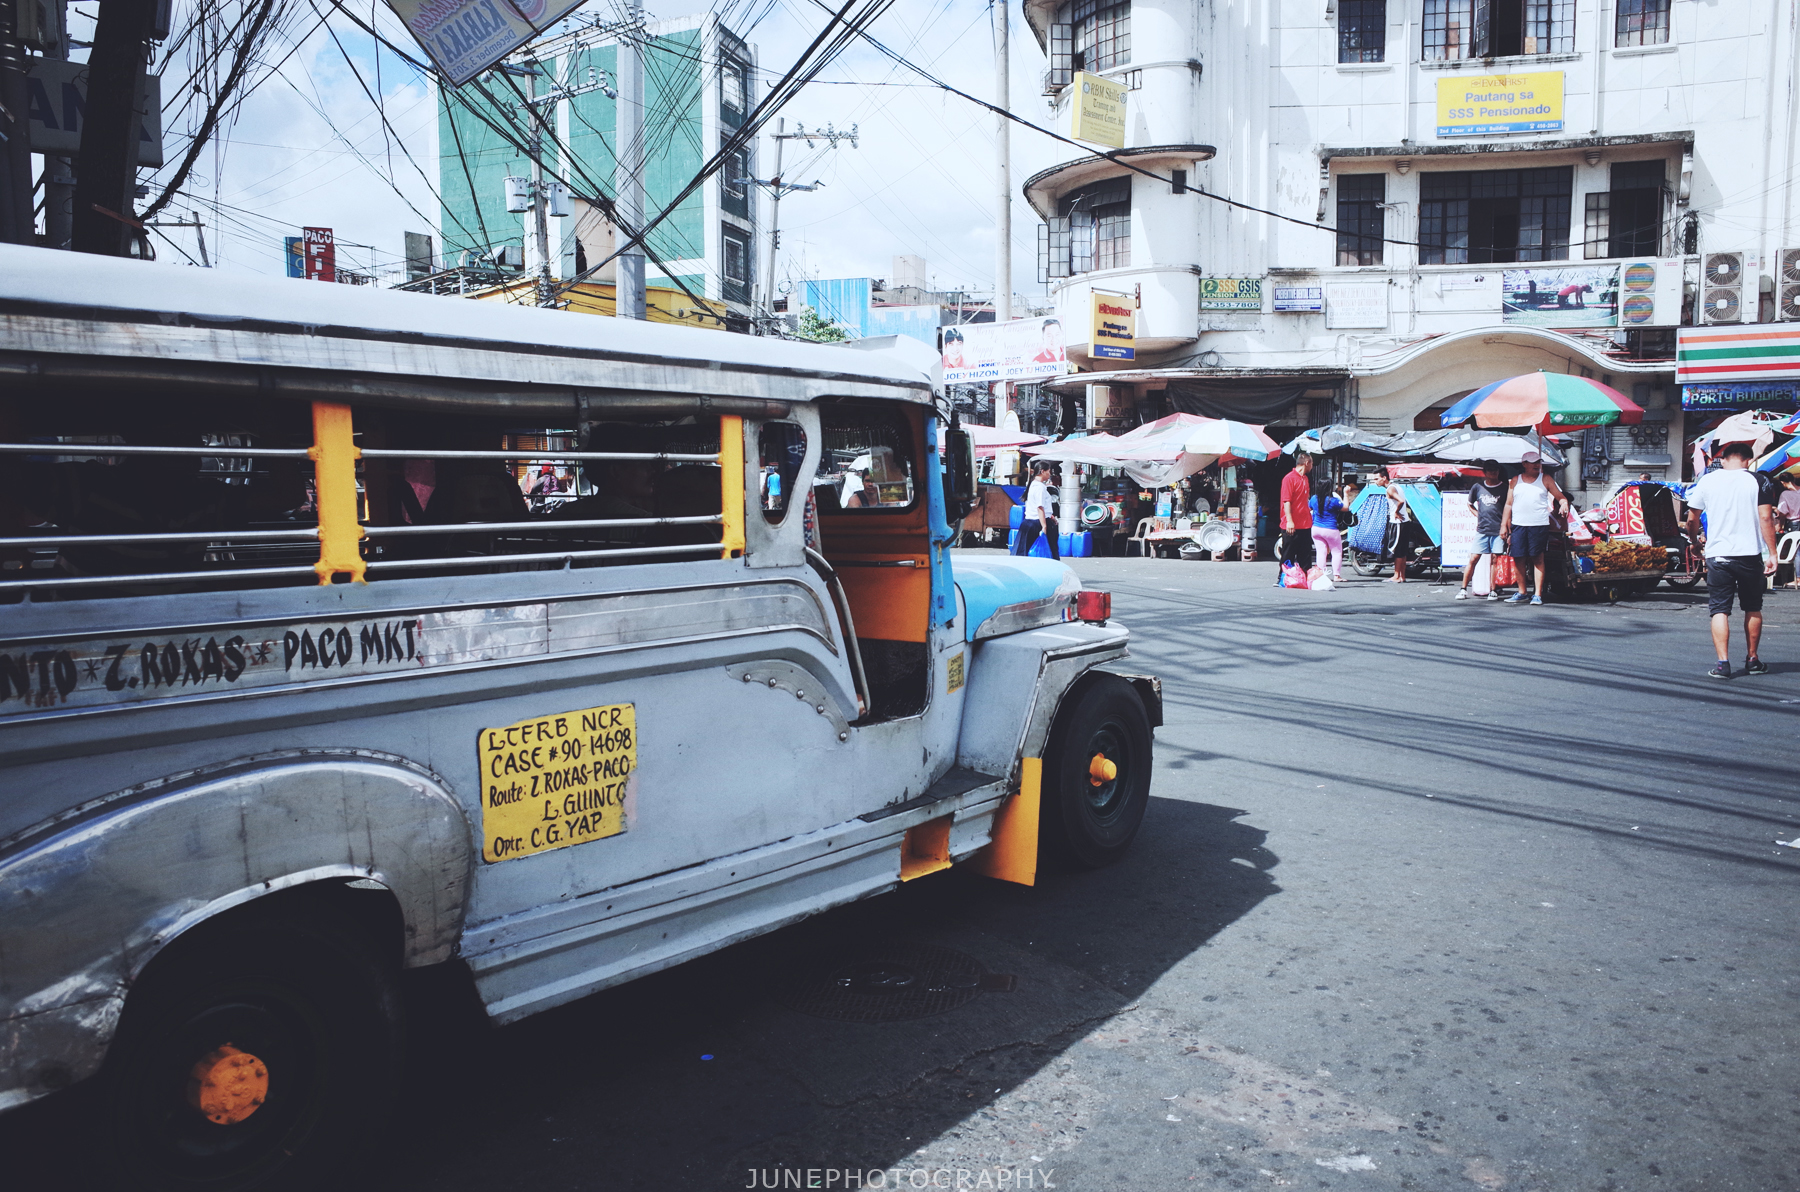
[1722,288]
[1787,286]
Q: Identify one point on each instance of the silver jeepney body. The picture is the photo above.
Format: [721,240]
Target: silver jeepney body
[177,755]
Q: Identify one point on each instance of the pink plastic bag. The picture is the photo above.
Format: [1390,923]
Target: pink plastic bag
[1293,577]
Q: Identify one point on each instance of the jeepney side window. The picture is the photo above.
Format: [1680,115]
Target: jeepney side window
[866,464]
[783,449]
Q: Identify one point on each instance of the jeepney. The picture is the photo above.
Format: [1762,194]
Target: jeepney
[297,691]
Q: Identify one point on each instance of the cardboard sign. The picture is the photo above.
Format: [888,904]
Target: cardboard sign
[1098,112]
[556,780]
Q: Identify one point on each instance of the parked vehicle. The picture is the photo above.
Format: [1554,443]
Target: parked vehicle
[295,693]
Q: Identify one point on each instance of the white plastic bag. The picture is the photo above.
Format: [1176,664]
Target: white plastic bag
[1483,583]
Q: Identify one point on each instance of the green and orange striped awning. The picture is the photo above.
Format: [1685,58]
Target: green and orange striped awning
[1739,352]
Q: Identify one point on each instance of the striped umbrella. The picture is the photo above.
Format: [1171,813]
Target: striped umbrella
[1546,402]
[1229,437]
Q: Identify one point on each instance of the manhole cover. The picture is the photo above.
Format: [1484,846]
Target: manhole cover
[893,984]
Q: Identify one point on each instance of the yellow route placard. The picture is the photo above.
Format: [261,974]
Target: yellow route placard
[553,781]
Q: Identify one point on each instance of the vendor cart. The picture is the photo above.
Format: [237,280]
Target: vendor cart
[1590,567]
[1651,512]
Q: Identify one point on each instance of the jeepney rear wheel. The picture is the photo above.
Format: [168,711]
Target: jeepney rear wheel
[1097,773]
[262,1057]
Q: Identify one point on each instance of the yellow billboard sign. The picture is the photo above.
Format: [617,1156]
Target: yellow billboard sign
[1482,105]
[556,780]
[1098,110]
[1114,328]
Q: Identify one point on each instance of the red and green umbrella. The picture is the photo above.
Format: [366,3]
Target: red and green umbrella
[1546,402]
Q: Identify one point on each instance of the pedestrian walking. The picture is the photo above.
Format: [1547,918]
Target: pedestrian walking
[1525,522]
[1329,515]
[1739,539]
[1488,500]
[1296,512]
[1038,518]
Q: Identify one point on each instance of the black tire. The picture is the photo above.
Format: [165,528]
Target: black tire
[316,1007]
[1365,562]
[1684,582]
[1087,821]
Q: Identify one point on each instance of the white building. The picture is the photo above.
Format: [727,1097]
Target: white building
[1673,136]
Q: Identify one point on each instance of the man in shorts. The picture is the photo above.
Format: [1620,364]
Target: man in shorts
[1488,500]
[1740,551]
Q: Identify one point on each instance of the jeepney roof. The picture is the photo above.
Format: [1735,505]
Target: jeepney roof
[62,302]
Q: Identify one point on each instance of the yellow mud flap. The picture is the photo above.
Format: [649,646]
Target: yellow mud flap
[1012,855]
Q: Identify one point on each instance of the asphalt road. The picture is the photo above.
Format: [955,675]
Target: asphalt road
[1431,895]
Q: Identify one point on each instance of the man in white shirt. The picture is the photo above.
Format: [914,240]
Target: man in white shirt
[1038,519]
[1740,551]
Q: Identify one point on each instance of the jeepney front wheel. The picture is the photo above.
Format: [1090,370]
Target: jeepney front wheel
[1097,773]
[262,1056]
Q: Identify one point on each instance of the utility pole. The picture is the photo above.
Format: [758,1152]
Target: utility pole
[628,171]
[776,188]
[106,178]
[192,221]
[18,223]
[1003,145]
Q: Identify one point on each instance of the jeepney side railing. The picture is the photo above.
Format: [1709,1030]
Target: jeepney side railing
[340,533]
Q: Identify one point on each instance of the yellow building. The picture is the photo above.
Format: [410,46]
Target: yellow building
[661,304]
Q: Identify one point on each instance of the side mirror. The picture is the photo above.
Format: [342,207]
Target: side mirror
[961,490]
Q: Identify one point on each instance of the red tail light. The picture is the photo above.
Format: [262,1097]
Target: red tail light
[1093,606]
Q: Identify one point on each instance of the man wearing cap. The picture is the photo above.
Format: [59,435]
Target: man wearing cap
[1525,522]
[1740,551]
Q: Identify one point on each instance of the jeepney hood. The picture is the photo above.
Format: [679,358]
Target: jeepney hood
[1008,593]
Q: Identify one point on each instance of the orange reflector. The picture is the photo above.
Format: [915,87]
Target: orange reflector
[1093,606]
[1102,770]
[228,1085]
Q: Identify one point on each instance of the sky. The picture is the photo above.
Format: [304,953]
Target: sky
[309,147]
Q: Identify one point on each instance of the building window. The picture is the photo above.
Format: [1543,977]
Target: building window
[1359,218]
[734,89]
[1457,29]
[737,264]
[734,184]
[1596,225]
[1089,35]
[1362,31]
[1091,230]
[1636,208]
[1641,23]
[1481,217]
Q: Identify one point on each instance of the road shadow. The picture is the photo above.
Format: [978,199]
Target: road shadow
[688,1078]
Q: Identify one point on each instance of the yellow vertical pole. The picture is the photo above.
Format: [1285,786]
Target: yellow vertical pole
[334,455]
[731,484]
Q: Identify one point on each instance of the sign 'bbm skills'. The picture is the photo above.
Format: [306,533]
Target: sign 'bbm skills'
[465,37]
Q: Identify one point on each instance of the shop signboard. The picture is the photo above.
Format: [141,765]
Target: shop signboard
[320,261]
[1113,327]
[1299,299]
[465,37]
[1737,352]
[1650,293]
[56,102]
[1356,305]
[1488,104]
[1017,350]
[296,256]
[1459,530]
[1231,293]
[1098,113]
[1560,296]
[1781,396]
